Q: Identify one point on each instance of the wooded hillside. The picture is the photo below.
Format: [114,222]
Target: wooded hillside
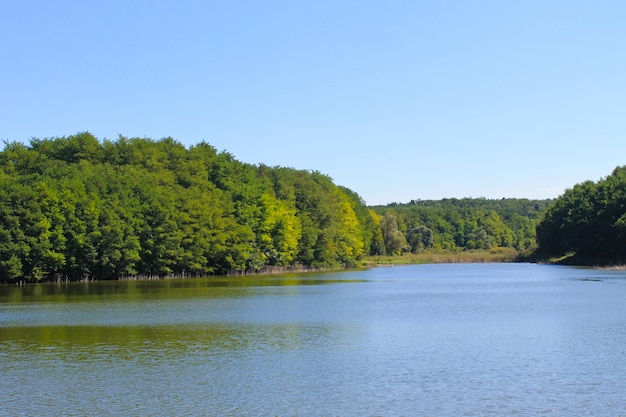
[587,223]
[467,223]
[79,208]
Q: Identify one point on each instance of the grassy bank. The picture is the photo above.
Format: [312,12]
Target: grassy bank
[440,257]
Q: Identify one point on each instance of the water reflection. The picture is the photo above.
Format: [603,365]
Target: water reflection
[170,340]
[164,289]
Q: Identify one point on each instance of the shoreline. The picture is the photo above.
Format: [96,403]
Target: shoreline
[497,255]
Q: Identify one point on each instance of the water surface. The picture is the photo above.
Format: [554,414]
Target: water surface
[430,340]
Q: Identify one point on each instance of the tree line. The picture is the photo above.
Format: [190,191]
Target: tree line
[77,208]
[587,223]
[461,224]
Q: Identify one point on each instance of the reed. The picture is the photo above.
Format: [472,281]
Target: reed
[440,257]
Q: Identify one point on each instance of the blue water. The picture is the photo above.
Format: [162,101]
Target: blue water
[424,340]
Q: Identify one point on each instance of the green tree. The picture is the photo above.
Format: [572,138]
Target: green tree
[394,240]
[75,208]
[587,221]
[420,238]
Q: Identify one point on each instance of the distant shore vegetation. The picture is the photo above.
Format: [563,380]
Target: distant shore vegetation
[79,208]
[446,256]
[587,224]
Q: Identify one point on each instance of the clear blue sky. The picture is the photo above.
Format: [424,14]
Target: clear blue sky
[397,100]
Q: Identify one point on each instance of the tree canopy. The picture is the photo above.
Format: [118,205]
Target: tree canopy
[77,208]
[587,223]
[460,224]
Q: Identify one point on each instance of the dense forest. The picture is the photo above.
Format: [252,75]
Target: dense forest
[76,208]
[587,224]
[461,224]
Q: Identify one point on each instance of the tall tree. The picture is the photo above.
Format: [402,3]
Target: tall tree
[394,240]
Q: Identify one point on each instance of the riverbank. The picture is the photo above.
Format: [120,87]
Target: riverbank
[439,257]
[573,259]
[495,255]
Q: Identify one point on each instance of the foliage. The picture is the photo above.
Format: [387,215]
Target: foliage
[394,241]
[430,256]
[588,221]
[462,224]
[75,208]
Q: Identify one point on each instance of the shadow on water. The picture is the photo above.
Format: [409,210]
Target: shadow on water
[214,287]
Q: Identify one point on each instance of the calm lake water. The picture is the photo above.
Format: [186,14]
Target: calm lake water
[424,340]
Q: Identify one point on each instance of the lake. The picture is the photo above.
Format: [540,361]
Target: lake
[422,340]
